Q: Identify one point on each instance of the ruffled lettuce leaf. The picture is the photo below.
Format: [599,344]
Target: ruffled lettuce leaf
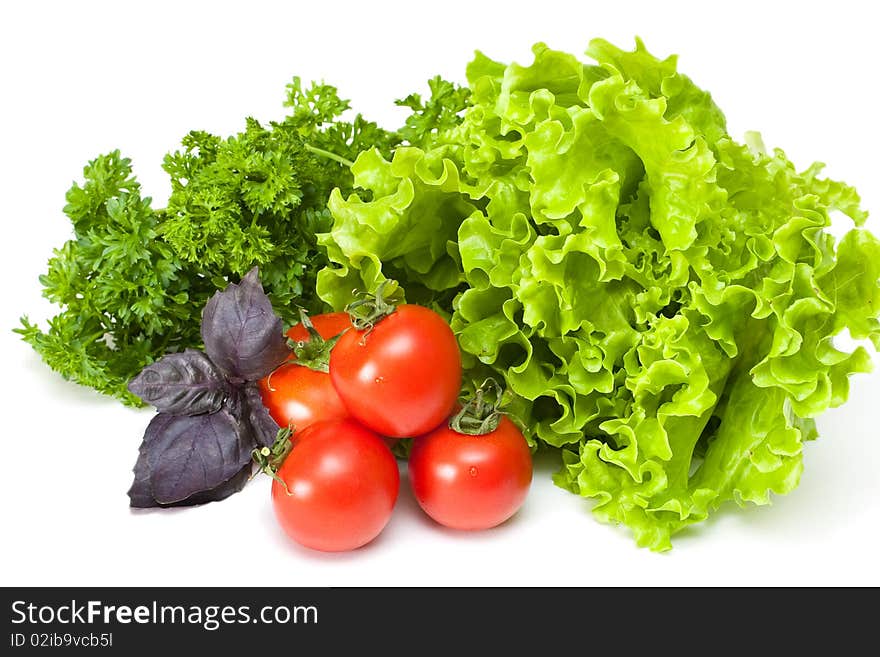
[660,300]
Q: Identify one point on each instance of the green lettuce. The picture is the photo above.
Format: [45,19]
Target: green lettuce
[660,299]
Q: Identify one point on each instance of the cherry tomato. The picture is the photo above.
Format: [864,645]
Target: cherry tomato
[297,396]
[471,482]
[342,484]
[401,377]
[327,325]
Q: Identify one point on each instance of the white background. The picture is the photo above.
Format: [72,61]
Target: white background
[82,78]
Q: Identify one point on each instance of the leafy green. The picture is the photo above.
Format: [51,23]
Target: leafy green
[133,280]
[660,300]
[122,287]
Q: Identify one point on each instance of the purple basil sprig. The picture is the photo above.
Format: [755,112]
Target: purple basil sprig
[198,447]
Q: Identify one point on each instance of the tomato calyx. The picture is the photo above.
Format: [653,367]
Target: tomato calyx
[367,311]
[478,416]
[313,353]
[269,459]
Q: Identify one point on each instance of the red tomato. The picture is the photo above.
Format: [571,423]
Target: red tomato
[471,482]
[342,484]
[402,377]
[327,325]
[298,396]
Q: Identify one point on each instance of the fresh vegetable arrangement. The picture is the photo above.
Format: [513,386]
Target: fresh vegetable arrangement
[133,280]
[319,433]
[658,302]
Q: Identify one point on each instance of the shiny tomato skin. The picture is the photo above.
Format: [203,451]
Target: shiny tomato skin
[471,482]
[298,397]
[402,377]
[327,325]
[343,484]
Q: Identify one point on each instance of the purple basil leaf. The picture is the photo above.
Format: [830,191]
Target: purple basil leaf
[246,406]
[140,495]
[261,423]
[221,492]
[184,383]
[191,454]
[242,334]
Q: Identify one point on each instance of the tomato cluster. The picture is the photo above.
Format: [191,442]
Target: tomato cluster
[397,377]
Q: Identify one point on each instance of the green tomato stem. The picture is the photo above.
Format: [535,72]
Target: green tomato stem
[313,353]
[477,416]
[372,308]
